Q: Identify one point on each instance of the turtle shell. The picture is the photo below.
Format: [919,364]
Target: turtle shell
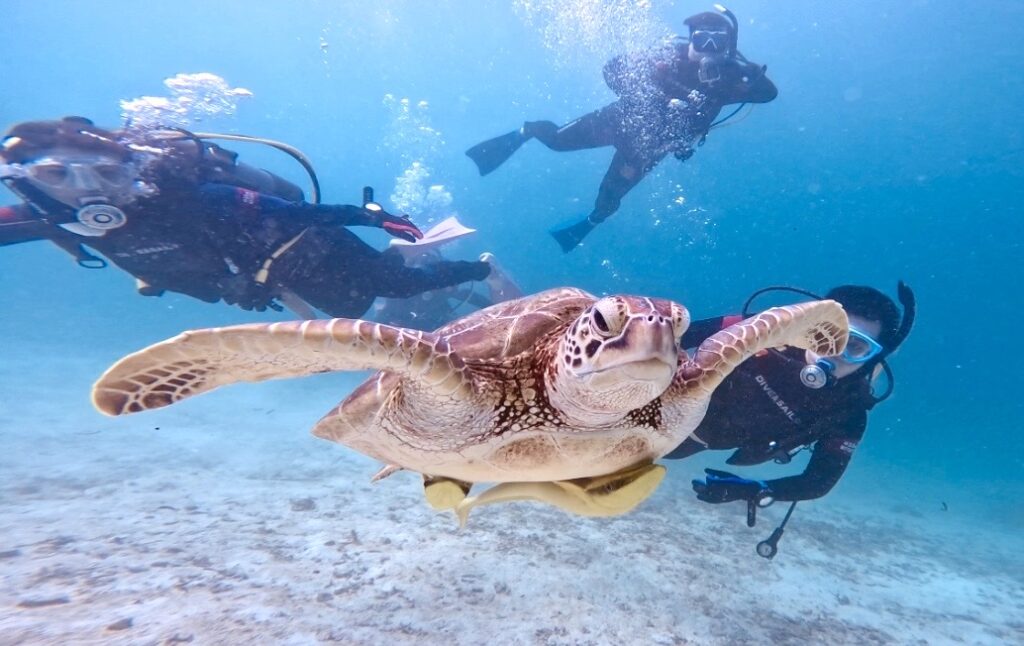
[488,335]
[513,327]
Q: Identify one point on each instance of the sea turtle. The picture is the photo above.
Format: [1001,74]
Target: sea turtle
[561,396]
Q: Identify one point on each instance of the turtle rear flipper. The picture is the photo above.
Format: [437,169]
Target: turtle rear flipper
[199,361]
[444,493]
[609,495]
[619,492]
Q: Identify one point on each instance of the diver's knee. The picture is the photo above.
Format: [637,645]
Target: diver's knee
[545,132]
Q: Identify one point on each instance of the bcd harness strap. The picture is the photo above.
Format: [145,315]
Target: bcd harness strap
[82,257]
[264,272]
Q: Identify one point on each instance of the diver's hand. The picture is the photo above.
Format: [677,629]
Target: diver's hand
[722,486]
[247,294]
[684,153]
[399,226]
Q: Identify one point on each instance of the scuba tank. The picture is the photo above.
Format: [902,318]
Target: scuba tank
[220,165]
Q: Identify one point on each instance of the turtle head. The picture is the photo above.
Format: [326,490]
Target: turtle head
[618,355]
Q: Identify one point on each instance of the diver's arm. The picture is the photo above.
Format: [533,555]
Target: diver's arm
[753,85]
[646,71]
[828,462]
[615,74]
[254,203]
[19,223]
[670,69]
[626,72]
[346,215]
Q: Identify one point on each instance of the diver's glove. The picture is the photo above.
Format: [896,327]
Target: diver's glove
[684,153]
[247,294]
[722,486]
[399,226]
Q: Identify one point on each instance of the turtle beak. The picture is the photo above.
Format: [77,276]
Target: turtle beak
[643,352]
[649,370]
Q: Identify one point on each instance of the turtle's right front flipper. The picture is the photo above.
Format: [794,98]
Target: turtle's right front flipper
[199,361]
[819,326]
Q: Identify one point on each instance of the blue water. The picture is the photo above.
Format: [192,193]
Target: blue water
[894,151]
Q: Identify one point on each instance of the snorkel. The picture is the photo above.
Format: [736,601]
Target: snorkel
[734,44]
[909,304]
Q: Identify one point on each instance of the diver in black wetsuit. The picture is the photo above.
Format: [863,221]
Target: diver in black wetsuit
[181,214]
[774,405]
[668,100]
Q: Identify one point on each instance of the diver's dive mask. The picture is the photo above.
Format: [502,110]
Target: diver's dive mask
[93,187]
[75,181]
[712,41]
[861,347]
[709,41]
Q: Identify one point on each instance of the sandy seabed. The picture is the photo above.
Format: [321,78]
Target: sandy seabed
[221,521]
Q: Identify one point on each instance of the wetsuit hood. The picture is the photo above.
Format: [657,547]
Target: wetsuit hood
[28,140]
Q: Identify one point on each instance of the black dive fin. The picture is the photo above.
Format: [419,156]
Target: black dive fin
[570,236]
[494,152]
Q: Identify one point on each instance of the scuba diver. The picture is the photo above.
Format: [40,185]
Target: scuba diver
[668,100]
[182,214]
[784,401]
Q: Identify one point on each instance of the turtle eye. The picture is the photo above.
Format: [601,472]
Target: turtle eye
[606,319]
[680,320]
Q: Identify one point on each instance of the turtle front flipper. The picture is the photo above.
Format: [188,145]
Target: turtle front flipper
[199,361]
[610,495]
[819,326]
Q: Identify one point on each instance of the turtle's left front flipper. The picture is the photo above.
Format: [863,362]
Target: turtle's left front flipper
[199,361]
[609,495]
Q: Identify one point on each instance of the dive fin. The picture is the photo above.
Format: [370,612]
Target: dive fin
[494,152]
[571,235]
